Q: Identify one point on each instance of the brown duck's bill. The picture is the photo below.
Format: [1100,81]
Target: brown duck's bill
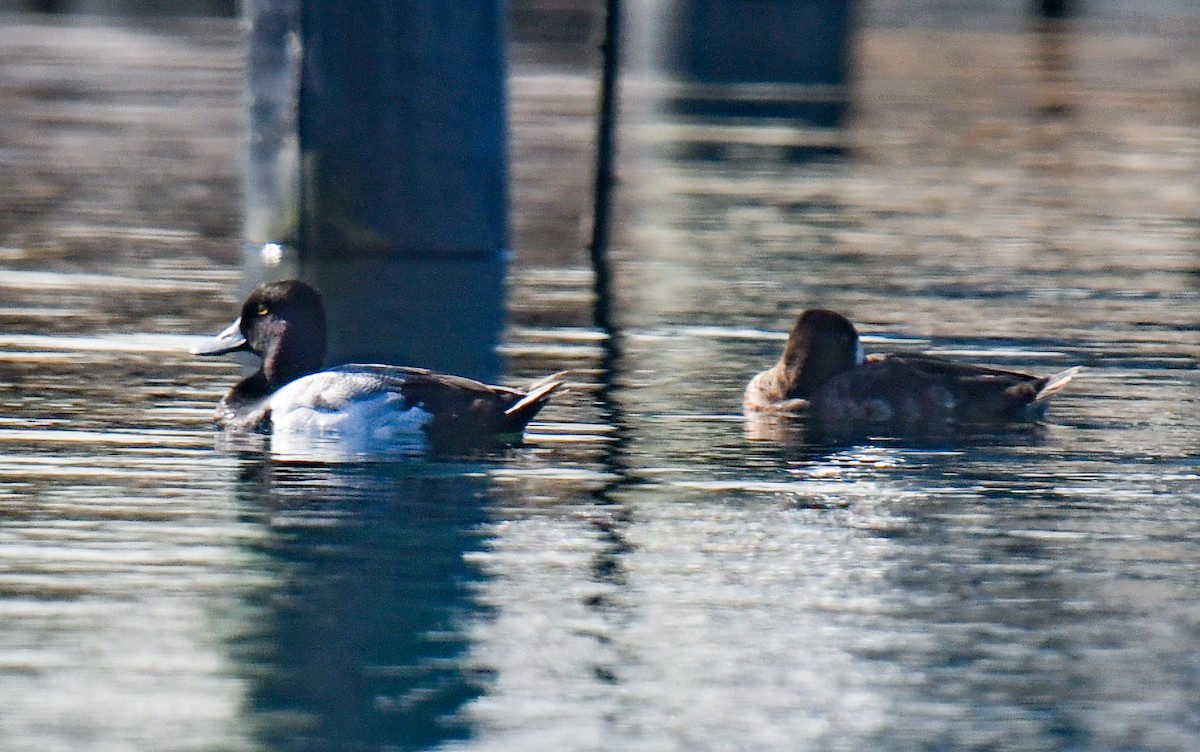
[229,340]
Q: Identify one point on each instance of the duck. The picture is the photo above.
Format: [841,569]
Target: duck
[292,396]
[824,373]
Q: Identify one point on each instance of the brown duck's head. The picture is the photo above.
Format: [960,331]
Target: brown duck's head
[821,345]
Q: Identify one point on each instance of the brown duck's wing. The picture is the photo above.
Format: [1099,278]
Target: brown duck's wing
[969,392]
[938,367]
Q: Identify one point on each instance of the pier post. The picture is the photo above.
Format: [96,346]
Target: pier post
[378,172]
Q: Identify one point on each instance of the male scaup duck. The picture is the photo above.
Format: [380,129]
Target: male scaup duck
[824,373]
[367,405]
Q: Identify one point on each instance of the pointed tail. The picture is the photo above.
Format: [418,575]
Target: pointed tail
[535,396]
[1056,383]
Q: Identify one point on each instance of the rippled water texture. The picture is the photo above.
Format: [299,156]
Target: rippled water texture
[644,574]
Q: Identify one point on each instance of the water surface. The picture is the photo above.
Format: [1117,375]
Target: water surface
[644,573]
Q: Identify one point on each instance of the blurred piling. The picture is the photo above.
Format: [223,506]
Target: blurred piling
[378,171]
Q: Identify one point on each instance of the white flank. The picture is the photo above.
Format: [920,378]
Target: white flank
[331,415]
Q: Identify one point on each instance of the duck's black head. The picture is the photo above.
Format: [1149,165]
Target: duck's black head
[284,324]
[822,344]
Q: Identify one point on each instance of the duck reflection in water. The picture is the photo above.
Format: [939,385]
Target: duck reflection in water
[361,632]
[825,376]
[362,409]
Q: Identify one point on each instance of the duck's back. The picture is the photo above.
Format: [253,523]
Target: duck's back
[914,388]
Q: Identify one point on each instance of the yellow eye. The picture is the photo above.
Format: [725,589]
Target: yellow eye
[262,310]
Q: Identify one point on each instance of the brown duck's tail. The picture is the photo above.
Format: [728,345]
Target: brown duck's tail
[1056,384]
[536,396]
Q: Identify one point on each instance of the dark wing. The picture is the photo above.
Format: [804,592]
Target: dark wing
[464,409]
[924,389]
[969,392]
[423,378]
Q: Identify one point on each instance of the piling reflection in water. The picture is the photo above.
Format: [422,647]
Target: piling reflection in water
[362,635]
